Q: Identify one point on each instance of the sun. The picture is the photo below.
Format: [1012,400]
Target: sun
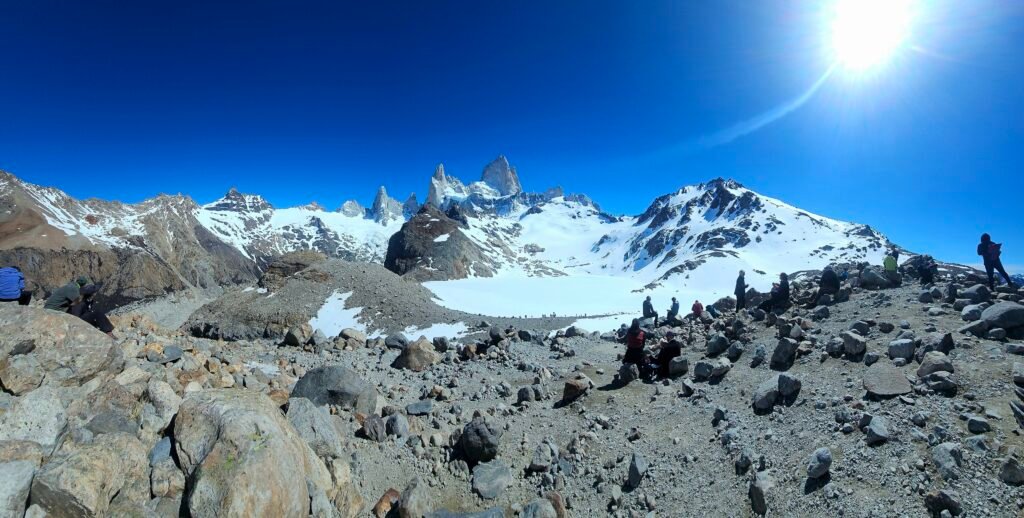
[866,33]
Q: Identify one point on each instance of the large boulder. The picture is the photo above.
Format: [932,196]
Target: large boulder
[417,356]
[339,386]
[38,346]
[873,277]
[243,458]
[86,481]
[976,294]
[784,354]
[480,440]
[314,424]
[1005,315]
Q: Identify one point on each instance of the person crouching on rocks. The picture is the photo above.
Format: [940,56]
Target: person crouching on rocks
[66,296]
[673,311]
[827,285]
[779,296]
[649,310]
[669,350]
[85,309]
[697,309]
[12,286]
[991,253]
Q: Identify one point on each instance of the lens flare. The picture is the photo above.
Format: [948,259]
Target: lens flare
[866,33]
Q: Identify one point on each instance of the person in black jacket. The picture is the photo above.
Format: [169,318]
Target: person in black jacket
[649,310]
[85,309]
[828,285]
[990,253]
[741,291]
[779,296]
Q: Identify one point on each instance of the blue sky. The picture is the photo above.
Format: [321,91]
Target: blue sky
[621,100]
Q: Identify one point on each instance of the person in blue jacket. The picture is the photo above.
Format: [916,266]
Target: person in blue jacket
[12,286]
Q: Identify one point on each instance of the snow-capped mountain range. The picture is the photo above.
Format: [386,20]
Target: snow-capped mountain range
[494,227]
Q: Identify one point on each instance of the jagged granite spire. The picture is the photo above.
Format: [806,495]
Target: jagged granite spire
[385,208]
[352,209]
[502,177]
[411,206]
[438,183]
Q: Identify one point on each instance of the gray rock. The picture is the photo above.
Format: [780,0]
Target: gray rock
[480,440]
[629,372]
[853,343]
[789,386]
[717,344]
[784,354]
[948,458]
[678,366]
[374,428]
[415,500]
[901,349]
[997,334]
[978,424]
[756,493]
[491,478]
[943,502]
[1005,315]
[38,416]
[942,342]
[971,313]
[1010,472]
[397,425]
[884,380]
[976,294]
[160,451]
[538,508]
[877,431]
[766,394]
[637,469]
[314,425]
[15,482]
[421,407]
[934,361]
[396,341]
[819,463]
[337,385]
[735,351]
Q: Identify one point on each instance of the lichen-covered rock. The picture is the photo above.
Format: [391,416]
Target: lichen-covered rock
[243,457]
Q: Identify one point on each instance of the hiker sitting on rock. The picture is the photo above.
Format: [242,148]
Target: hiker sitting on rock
[697,309]
[991,253]
[12,286]
[669,350]
[673,311]
[779,296]
[85,309]
[828,285]
[66,296]
[892,269]
[649,310]
[635,340]
[741,291]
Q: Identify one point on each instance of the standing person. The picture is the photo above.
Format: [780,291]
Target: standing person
[85,309]
[926,270]
[892,269]
[12,286]
[990,252]
[66,296]
[741,291]
[895,253]
[673,311]
[649,310]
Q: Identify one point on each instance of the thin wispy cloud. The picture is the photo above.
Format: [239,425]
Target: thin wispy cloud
[748,126]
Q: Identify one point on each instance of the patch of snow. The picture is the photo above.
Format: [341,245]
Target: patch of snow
[442,238]
[333,316]
[456,330]
[268,369]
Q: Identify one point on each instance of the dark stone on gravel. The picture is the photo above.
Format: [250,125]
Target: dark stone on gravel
[819,463]
[422,407]
[637,469]
[396,341]
[480,440]
[784,354]
[374,429]
[337,385]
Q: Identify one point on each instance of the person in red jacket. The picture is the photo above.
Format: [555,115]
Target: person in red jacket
[697,309]
[635,340]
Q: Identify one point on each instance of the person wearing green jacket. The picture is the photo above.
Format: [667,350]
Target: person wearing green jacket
[63,298]
[892,270]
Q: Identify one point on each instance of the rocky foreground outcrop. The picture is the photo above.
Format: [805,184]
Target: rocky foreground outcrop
[434,246]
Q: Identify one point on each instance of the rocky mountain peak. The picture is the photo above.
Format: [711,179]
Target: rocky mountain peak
[238,202]
[502,177]
[385,208]
[411,206]
[352,209]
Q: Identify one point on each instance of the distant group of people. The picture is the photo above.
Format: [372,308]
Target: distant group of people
[77,298]
[829,284]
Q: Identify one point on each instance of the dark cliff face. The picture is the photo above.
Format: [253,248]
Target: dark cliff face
[432,247]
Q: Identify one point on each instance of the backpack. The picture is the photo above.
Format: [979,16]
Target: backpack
[994,250]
